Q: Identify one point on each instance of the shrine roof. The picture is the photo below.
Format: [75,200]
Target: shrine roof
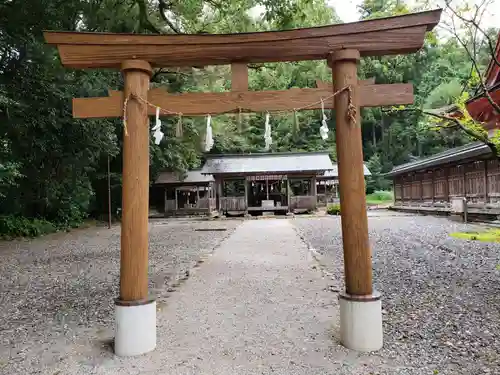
[191,177]
[478,105]
[334,172]
[493,71]
[467,151]
[279,162]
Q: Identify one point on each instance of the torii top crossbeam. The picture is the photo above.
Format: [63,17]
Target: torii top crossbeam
[384,36]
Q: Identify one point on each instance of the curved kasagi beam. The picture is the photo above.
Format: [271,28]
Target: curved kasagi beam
[384,36]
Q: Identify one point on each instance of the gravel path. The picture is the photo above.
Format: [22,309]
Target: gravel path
[441,296]
[56,292]
[259,305]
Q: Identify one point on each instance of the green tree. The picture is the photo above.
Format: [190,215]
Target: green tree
[376,180]
[54,167]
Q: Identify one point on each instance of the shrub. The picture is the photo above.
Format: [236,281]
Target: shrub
[384,195]
[16,226]
[380,196]
[333,209]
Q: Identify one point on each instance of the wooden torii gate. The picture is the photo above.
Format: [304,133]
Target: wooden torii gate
[342,45]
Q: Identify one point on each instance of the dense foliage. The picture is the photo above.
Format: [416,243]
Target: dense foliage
[54,168]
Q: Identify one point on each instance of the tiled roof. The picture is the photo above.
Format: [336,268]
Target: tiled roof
[455,154]
[191,177]
[334,172]
[268,162]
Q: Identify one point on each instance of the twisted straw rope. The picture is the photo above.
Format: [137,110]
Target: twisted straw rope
[351,109]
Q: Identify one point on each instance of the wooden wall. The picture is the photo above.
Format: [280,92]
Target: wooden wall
[306,202]
[233,203]
[478,181]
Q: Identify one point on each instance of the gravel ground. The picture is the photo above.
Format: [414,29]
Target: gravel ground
[56,292]
[441,296]
[258,306]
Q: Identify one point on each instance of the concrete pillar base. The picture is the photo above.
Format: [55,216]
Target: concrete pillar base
[361,322]
[135,331]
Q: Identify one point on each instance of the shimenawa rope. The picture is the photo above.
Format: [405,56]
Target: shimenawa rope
[351,109]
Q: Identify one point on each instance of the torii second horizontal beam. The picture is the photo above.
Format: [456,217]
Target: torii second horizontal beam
[201,103]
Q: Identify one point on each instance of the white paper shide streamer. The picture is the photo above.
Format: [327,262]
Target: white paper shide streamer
[267,133]
[158,134]
[323,130]
[209,140]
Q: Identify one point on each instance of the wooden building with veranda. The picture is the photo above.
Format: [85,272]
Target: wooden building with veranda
[191,193]
[470,173]
[272,186]
[328,188]
[267,182]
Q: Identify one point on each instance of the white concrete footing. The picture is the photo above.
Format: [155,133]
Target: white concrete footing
[135,331]
[361,322]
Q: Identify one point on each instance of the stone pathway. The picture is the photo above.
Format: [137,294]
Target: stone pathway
[257,306]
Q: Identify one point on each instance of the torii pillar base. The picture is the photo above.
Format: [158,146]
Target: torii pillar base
[360,307]
[135,331]
[361,322]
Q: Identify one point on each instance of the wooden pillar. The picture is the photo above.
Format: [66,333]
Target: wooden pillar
[135,200]
[464,166]
[267,188]
[216,193]
[197,196]
[412,190]
[422,187]
[357,253]
[246,195]
[486,198]
[288,193]
[165,201]
[109,193]
[447,184]
[314,191]
[402,182]
[219,193]
[433,179]
[239,77]
[394,188]
[209,197]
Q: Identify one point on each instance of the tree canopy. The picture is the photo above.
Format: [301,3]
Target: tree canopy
[54,167]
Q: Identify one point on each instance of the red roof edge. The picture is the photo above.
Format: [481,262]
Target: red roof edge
[492,73]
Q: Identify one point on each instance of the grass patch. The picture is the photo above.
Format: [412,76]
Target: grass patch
[379,197]
[373,199]
[333,209]
[488,235]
